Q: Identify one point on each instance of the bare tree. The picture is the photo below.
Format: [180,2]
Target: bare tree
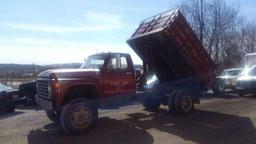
[216,25]
[250,37]
[195,11]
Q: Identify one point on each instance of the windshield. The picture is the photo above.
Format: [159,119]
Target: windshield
[94,62]
[231,72]
[3,87]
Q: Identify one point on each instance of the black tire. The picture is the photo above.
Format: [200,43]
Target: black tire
[183,103]
[171,101]
[219,87]
[52,115]
[78,116]
[9,109]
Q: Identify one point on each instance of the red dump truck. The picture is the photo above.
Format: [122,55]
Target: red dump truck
[176,71]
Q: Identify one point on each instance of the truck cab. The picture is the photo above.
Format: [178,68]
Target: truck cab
[101,76]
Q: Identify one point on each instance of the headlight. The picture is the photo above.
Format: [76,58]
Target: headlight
[54,77]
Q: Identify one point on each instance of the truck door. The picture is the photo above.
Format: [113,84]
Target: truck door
[119,76]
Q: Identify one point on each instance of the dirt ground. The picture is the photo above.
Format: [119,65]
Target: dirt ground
[227,119]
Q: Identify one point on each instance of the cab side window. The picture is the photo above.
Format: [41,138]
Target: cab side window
[123,63]
[118,63]
[112,65]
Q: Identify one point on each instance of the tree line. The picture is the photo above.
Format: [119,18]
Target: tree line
[225,34]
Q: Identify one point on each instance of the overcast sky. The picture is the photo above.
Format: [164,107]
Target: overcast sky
[65,31]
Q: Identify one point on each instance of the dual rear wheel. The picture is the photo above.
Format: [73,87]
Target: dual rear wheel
[180,102]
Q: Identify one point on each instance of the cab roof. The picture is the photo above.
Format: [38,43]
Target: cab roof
[107,53]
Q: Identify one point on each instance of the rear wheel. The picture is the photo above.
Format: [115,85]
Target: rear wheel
[171,101]
[219,87]
[183,103]
[79,116]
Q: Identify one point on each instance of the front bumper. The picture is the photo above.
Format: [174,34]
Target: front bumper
[245,91]
[44,103]
[246,86]
[13,102]
[11,98]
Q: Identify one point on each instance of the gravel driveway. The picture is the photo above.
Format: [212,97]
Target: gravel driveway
[230,119]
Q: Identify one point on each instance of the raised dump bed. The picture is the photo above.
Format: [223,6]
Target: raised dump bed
[170,49]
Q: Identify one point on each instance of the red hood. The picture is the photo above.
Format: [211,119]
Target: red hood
[69,73]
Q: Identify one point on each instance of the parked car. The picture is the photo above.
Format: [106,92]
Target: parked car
[228,79]
[9,98]
[246,83]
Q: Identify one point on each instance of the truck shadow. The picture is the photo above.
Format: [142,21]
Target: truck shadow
[200,127]
[107,131]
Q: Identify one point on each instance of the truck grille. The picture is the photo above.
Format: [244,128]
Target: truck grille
[43,89]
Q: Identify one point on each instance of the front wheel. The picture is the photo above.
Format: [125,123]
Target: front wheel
[79,116]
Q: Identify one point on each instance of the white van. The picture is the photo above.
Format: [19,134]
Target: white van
[249,60]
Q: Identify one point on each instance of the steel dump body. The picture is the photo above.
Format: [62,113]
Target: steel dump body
[170,49]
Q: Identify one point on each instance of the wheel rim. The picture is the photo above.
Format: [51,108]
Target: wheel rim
[81,117]
[187,103]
